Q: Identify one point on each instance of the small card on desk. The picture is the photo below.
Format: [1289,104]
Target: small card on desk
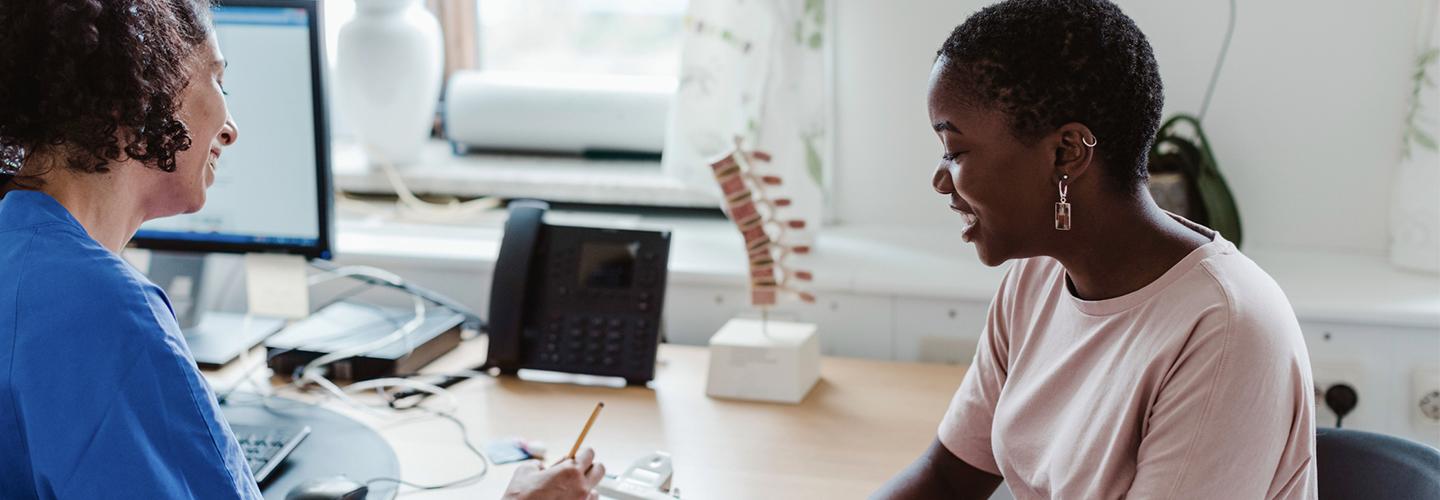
[504,451]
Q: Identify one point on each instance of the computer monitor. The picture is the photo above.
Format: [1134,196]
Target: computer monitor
[272,190]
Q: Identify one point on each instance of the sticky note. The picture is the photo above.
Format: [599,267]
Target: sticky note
[276,285]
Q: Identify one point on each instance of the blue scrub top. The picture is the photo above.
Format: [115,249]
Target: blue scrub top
[99,397]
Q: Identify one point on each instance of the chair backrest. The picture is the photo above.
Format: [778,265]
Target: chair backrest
[1357,464]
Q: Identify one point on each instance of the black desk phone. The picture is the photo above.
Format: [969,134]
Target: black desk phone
[576,299]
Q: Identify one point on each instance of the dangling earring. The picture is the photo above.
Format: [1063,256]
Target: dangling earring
[1062,209]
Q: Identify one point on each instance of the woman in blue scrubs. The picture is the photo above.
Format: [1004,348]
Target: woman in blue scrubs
[112,113]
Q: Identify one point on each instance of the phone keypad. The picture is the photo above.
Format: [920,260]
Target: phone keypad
[599,344]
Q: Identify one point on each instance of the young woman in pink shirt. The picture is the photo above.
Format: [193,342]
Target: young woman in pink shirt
[1129,353]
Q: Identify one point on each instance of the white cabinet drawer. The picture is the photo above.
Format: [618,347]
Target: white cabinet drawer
[693,314]
[857,326]
[937,331]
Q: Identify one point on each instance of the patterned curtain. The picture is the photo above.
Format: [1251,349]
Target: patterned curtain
[756,71]
[1415,211]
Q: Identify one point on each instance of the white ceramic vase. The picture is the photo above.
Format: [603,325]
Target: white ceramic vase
[388,82]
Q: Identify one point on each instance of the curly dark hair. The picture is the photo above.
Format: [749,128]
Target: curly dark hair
[88,80]
[1045,63]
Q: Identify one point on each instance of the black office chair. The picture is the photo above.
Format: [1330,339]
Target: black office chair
[1365,465]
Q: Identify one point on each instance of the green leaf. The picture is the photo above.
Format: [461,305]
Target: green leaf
[812,162]
[1424,139]
[1429,56]
[815,40]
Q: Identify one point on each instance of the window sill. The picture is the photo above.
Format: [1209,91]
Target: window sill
[561,179]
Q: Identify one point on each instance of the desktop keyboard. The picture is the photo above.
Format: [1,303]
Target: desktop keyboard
[265,447]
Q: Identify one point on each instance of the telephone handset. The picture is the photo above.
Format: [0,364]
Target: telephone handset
[576,299]
[508,292]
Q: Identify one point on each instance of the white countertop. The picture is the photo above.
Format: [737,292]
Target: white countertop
[903,261]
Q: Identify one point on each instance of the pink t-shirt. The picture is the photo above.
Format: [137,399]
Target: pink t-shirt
[1195,386]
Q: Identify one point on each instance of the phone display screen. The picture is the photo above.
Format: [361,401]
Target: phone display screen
[607,264]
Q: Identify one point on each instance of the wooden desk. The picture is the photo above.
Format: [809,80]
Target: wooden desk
[862,423]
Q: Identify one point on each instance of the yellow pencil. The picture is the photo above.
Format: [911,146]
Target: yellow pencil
[586,430]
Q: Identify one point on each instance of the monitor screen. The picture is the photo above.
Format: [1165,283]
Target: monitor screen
[271,190]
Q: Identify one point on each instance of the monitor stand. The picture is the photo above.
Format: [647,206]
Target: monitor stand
[215,338]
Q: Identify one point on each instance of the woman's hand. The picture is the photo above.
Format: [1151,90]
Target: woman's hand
[567,480]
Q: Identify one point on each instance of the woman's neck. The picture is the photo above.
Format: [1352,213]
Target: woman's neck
[1118,249]
[106,204]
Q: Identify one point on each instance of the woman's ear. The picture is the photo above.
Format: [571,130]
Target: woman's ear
[1074,150]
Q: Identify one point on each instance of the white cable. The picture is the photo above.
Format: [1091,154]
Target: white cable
[458,374]
[414,385]
[408,201]
[402,333]
[390,278]
[313,373]
[382,412]
[338,393]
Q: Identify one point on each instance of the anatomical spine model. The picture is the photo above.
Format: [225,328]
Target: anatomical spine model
[750,201]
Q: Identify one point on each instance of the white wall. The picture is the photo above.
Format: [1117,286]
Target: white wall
[1306,119]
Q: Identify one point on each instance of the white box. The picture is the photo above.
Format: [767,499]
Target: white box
[774,361]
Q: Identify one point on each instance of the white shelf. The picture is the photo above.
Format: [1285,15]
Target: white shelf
[1351,288]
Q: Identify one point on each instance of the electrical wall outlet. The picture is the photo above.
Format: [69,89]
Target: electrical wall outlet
[1424,398]
[1329,373]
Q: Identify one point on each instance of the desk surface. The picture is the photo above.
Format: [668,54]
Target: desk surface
[862,422]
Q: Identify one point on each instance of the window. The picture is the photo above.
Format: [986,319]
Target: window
[614,37]
[612,47]
[617,37]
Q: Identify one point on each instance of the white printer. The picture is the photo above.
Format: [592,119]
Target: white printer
[557,113]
